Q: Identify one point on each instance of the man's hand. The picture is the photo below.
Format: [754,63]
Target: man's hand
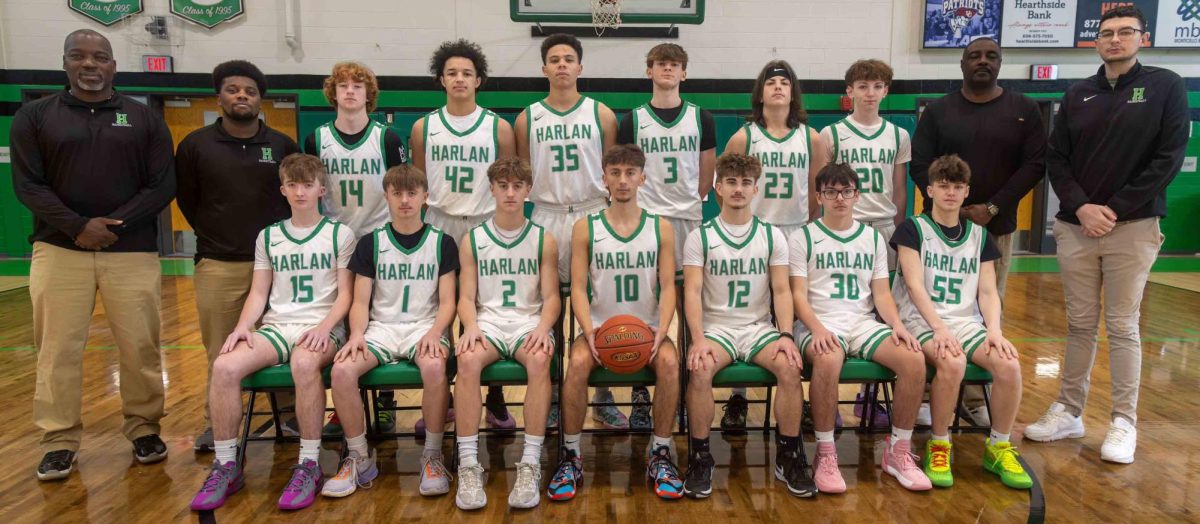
[977,213]
[702,355]
[787,347]
[1096,221]
[96,235]
[946,344]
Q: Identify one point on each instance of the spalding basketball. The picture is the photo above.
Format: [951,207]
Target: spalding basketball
[624,343]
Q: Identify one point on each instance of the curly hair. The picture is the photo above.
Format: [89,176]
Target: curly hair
[949,168]
[738,164]
[869,70]
[461,48]
[354,72]
[239,68]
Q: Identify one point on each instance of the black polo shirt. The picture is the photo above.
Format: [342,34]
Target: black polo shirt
[229,188]
[73,161]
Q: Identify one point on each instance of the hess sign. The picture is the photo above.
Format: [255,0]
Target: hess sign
[158,64]
[1043,72]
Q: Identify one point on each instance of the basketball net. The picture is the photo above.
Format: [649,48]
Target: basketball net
[606,14]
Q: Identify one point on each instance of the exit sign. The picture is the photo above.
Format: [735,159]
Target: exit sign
[158,64]
[1043,72]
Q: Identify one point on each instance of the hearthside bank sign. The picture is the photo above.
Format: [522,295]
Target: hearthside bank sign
[207,13]
[107,12]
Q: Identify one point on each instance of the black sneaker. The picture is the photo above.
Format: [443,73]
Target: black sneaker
[793,470]
[698,481]
[149,449]
[639,416]
[734,420]
[56,465]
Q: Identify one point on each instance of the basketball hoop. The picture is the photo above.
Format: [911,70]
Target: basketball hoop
[606,14]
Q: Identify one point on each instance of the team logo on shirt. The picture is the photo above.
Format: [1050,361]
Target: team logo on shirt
[268,156]
[1139,95]
[122,120]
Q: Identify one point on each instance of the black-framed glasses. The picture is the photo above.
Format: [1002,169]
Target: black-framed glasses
[831,194]
[1125,33]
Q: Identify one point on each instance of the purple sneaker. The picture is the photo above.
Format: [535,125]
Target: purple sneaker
[880,418]
[223,480]
[419,427]
[302,490]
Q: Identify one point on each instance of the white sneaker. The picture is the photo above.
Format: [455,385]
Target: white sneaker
[979,416]
[1056,424]
[923,416]
[1120,443]
[435,480]
[470,488]
[526,492]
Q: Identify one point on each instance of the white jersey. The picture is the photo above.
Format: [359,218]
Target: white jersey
[509,273]
[782,198]
[406,280]
[672,149]
[623,271]
[304,282]
[456,163]
[565,152]
[355,194]
[839,270]
[951,270]
[737,275]
[874,157]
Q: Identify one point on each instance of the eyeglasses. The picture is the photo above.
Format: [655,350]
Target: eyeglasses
[832,194]
[1124,33]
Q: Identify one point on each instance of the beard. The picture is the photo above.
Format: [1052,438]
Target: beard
[240,116]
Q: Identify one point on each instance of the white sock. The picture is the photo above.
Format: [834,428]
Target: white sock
[571,442]
[945,437]
[433,441]
[659,442]
[740,391]
[468,450]
[226,450]
[358,446]
[310,450]
[824,436]
[901,434]
[997,438]
[532,453]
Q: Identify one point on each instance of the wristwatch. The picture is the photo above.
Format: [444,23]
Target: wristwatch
[993,209]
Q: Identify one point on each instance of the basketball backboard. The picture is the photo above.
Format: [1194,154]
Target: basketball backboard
[632,11]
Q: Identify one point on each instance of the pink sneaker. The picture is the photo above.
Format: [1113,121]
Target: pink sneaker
[900,462]
[826,474]
[419,427]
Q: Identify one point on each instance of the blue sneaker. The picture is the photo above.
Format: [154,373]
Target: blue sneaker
[664,474]
[567,478]
[608,415]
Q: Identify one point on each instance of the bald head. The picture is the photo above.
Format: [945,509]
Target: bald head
[986,41]
[73,40]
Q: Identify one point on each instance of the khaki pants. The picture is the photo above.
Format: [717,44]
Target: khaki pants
[1112,269]
[62,286]
[1004,244]
[221,289]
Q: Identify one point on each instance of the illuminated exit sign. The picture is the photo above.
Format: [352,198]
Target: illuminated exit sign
[158,64]
[1043,72]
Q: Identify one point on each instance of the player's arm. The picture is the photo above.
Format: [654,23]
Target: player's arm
[781,295]
[317,339]
[737,142]
[820,157]
[551,300]
[416,144]
[900,191]
[608,126]
[885,304]
[521,135]
[430,344]
[708,167]
[506,140]
[579,276]
[360,313]
[989,305]
[468,279]
[914,279]
[666,280]
[804,311]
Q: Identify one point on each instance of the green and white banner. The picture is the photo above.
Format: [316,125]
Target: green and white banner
[107,12]
[207,13]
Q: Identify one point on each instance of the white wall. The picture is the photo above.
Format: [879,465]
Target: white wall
[396,37]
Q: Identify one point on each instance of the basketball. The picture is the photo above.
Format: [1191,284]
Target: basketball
[624,343]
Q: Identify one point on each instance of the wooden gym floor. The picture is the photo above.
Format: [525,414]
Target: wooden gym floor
[109,486]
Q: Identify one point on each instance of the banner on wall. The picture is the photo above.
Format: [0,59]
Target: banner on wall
[1178,24]
[107,12]
[1087,20]
[1039,23]
[955,23]
[207,13]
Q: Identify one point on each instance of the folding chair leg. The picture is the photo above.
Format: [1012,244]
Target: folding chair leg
[275,417]
[887,400]
[955,425]
[987,401]
[868,408]
[367,402]
[246,429]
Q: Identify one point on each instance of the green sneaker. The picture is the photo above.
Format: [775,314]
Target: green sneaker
[1001,459]
[936,463]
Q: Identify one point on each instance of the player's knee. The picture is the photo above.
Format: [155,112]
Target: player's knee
[537,362]
[830,362]
[224,371]
[470,364]
[911,365]
[433,370]
[951,367]
[303,366]
[343,375]
[1007,372]
[666,360]
[788,377]
[701,378]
